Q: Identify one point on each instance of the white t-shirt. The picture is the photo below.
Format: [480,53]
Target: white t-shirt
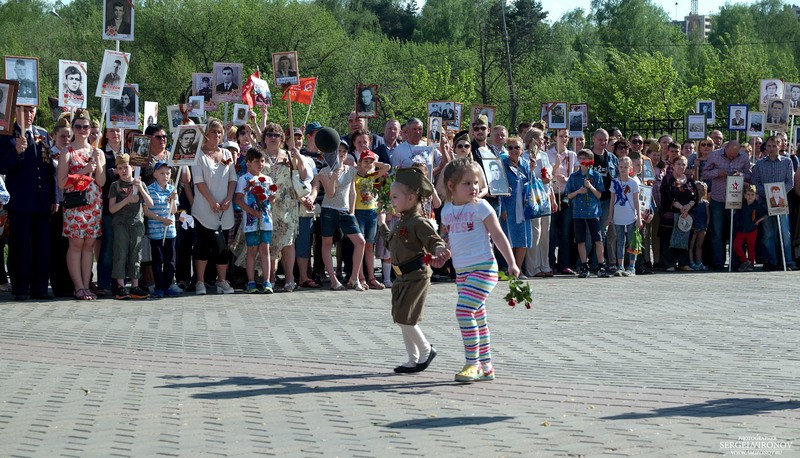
[469,239]
[249,223]
[341,198]
[624,212]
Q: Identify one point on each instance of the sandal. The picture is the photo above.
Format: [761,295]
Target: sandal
[339,287]
[355,286]
[310,284]
[82,295]
[375,284]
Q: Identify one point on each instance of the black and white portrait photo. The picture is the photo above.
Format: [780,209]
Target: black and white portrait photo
[124,113]
[118,16]
[367,101]
[25,70]
[72,84]
[112,74]
[174,117]
[201,85]
[187,147]
[284,67]
[228,79]
[8,89]
[575,124]
[240,112]
[557,118]
[496,177]
[455,124]
[150,113]
[737,117]
[792,94]
[434,130]
[769,89]
[755,124]
[696,126]
[583,108]
[486,110]
[777,115]
[197,106]
[140,152]
[707,107]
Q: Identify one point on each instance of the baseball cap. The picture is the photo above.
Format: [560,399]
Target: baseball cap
[368,155]
[313,127]
[231,145]
[298,131]
[160,164]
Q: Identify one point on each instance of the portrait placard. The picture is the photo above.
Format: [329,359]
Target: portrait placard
[228,79]
[186,147]
[770,89]
[367,100]
[546,108]
[648,174]
[734,190]
[175,117]
[112,74]
[202,84]
[696,126]
[124,113]
[777,115]
[646,197]
[583,108]
[575,124]
[434,130]
[72,84]
[25,70]
[737,117]
[118,23]
[8,97]
[197,106]
[444,109]
[755,124]
[261,92]
[498,181]
[140,152]
[777,202]
[707,107]
[455,125]
[791,92]
[557,117]
[240,113]
[284,67]
[150,113]
[486,110]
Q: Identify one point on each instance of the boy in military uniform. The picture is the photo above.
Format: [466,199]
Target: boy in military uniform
[414,244]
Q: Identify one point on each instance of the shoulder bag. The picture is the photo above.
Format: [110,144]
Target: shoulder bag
[298,186]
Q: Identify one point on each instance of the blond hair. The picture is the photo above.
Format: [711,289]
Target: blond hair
[455,170]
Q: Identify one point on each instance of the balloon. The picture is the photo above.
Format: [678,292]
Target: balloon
[327,140]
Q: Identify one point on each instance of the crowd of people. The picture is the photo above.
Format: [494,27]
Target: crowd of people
[264,209]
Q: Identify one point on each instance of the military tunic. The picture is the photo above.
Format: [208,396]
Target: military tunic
[409,241]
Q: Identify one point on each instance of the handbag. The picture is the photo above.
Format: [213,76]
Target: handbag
[537,203]
[220,241]
[75,199]
[298,186]
[680,238]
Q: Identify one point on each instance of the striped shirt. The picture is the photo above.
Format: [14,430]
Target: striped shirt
[717,161]
[768,171]
[161,207]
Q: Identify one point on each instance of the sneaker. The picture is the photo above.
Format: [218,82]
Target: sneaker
[631,272]
[671,269]
[743,267]
[122,293]
[487,376]
[251,288]
[267,288]
[159,293]
[619,271]
[289,287]
[223,287]
[139,293]
[601,272]
[613,270]
[200,288]
[174,290]
[624,273]
[169,292]
[469,373]
[583,271]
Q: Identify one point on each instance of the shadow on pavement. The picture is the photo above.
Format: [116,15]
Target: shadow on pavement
[444,422]
[300,385]
[715,408]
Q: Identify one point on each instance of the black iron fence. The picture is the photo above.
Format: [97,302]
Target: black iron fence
[654,127]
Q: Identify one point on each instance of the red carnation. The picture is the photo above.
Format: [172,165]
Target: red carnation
[262,179]
[544,173]
[427,258]
[512,303]
[273,187]
[528,305]
[261,198]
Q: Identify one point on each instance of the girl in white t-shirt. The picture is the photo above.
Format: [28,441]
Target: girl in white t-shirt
[625,213]
[470,226]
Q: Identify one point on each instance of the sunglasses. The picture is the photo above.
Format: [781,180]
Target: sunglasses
[636,142]
[463,145]
[160,137]
[478,127]
[81,126]
[706,144]
[272,135]
[513,147]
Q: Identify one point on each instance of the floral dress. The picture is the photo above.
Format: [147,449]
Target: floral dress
[285,209]
[84,222]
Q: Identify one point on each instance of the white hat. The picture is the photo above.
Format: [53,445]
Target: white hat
[231,145]
[685,223]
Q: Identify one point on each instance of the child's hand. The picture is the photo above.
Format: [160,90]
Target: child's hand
[513,270]
[167,221]
[173,195]
[609,223]
[583,190]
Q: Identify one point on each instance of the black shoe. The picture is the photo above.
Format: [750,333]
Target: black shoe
[122,293]
[21,297]
[405,369]
[42,297]
[422,366]
[139,293]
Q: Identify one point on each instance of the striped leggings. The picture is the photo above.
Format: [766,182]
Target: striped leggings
[474,283]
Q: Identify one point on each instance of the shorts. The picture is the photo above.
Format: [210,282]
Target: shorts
[302,244]
[252,238]
[330,219]
[368,223]
[581,226]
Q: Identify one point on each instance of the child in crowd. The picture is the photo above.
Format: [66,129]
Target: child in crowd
[625,213]
[367,171]
[702,217]
[647,215]
[126,199]
[584,188]
[161,230]
[746,223]
[410,241]
[253,195]
[469,222]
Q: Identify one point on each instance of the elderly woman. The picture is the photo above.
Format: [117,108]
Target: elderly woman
[512,215]
[537,259]
[214,185]
[678,199]
[82,225]
[285,208]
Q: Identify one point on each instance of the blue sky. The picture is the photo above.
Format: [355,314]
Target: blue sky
[557,9]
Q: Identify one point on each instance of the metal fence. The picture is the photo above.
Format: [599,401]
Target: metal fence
[656,127]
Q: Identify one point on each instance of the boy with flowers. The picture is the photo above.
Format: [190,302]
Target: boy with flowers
[254,192]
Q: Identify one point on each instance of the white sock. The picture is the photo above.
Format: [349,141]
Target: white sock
[424,348]
[387,272]
[411,346]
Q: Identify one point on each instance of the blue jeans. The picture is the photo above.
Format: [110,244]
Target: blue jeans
[624,235]
[772,243]
[106,257]
[718,235]
[608,248]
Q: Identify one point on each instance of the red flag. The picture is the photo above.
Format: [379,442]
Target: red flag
[247,90]
[303,92]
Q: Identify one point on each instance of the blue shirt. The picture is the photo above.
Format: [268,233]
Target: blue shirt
[161,206]
[585,206]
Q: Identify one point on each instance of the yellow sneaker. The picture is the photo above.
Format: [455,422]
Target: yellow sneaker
[469,373]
